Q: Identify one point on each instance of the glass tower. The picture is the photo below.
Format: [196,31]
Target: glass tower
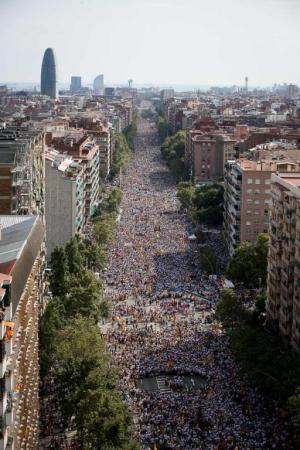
[48,74]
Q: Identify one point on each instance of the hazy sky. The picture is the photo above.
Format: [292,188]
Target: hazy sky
[204,42]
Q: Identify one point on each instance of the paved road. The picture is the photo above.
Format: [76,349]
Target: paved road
[158,329]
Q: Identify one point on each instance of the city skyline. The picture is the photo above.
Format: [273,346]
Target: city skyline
[147,47]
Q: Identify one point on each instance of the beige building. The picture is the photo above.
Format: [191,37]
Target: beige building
[283,288]
[247,198]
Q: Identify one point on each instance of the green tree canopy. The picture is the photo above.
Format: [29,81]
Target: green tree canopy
[59,272]
[173,149]
[249,263]
[185,194]
[230,311]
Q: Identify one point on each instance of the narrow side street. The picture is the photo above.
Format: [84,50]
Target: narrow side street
[176,370]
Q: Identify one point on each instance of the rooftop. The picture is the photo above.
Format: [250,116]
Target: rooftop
[14,233]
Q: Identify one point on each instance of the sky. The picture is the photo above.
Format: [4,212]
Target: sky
[160,42]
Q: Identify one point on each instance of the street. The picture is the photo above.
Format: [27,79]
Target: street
[159,326]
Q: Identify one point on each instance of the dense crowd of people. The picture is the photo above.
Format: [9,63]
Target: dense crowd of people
[161,304]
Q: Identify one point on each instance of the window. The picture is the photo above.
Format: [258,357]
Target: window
[268,181]
[267,191]
[249,211]
[267,201]
[249,200]
[248,222]
[249,181]
[257,181]
[257,202]
[257,191]
[249,191]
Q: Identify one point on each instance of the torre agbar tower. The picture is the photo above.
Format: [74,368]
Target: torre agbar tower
[48,74]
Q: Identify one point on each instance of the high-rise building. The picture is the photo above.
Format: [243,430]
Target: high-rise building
[75,84]
[99,84]
[48,74]
[283,286]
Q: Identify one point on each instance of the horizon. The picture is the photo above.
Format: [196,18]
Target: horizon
[139,40]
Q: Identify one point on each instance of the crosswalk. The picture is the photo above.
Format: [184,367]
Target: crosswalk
[162,384]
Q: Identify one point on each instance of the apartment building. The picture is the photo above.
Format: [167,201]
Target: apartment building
[103,133]
[85,151]
[209,155]
[22,187]
[247,198]
[283,286]
[65,201]
[21,289]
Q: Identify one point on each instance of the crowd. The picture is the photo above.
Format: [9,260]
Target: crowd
[160,308]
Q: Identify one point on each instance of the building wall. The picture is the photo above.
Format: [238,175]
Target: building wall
[19,363]
[255,204]
[5,190]
[283,286]
[60,208]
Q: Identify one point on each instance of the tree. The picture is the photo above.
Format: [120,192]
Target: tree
[74,257]
[173,149]
[80,349]
[162,127]
[102,419]
[230,311]
[59,272]
[112,203]
[185,194]
[130,133]
[52,321]
[84,296]
[249,263]
[103,229]
[208,204]
[94,256]
[121,154]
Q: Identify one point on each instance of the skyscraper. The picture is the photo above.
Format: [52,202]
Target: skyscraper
[99,84]
[75,84]
[48,74]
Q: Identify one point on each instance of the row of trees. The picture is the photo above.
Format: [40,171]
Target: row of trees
[124,145]
[163,127]
[172,150]
[71,347]
[269,366]
[204,204]
[121,155]
[130,133]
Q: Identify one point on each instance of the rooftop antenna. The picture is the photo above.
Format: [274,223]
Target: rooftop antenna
[130,83]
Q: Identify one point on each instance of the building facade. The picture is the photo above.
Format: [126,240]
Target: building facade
[98,84]
[283,286]
[75,85]
[65,201]
[22,171]
[21,296]
[247,199]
